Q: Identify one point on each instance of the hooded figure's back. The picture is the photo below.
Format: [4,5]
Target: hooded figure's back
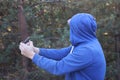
[92,65]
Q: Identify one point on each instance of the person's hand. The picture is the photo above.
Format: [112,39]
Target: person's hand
[27,50]
[30,43]
[35,49]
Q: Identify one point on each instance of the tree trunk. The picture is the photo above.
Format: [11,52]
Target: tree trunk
[22,24]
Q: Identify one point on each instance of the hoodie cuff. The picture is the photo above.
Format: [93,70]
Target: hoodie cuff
[36,58]
[39,51]
[42,51]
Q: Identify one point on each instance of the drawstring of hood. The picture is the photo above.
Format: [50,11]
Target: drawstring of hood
[71,49]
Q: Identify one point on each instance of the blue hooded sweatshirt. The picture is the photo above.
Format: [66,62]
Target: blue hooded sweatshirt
[84,60]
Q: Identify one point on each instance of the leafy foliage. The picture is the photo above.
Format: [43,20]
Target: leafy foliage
[48,28]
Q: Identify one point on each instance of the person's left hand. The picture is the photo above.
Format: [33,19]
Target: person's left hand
[26,50]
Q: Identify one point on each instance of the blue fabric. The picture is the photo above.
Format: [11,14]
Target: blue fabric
[56,54]
[86,62]
[82,28]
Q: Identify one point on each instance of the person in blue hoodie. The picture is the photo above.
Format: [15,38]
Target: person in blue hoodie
[84,60]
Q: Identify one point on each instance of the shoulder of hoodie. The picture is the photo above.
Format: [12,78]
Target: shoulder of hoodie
[89,46]
[86,49]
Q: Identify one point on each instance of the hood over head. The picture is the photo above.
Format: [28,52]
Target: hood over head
[82,28]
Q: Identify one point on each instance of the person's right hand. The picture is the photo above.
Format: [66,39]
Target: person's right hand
[26,50]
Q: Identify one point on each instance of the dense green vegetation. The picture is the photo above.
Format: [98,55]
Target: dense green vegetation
[47,20]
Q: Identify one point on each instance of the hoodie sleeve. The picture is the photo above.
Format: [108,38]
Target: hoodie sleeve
[55,54]
[72,62]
